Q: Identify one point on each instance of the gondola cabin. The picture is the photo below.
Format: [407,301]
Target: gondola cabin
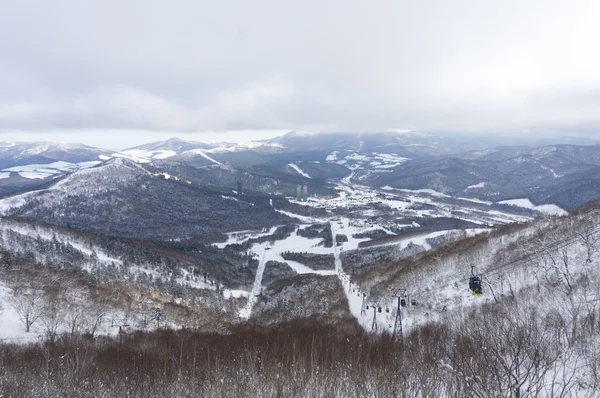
[475,286]
[402,302]
[413,302]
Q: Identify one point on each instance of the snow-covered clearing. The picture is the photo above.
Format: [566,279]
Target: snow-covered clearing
[475,186]
[41,171]
[475,200]
[526,203]
[244,146]
[261,251]
[299,170]
[551,210]
[239,237]
[235,293]
[426,191]
[202,152]
[548,209]
[355,298]
[302,218]
[149,154]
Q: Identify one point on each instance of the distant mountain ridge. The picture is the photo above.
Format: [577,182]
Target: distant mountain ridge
[27,165]
[452,164]
[566,175]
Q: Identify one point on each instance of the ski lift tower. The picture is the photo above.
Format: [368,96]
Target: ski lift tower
[374,324]
[398,335]
[363,306]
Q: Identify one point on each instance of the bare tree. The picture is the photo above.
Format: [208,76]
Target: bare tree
[93,318]
[55,306]
[28,304]
[506,354]
[590,238]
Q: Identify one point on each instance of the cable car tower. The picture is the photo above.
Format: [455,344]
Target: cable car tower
[363,307]
[374,324]
[400,294]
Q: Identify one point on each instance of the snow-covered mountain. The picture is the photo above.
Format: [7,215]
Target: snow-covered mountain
[25,166]
[196,152]
[164,149]
[124,198]
[566,175]
[13,154]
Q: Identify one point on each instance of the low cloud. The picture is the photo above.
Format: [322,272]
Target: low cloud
[197,66]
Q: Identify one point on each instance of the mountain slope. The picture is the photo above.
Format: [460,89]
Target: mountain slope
[122,198]
[254,179]
[567,176]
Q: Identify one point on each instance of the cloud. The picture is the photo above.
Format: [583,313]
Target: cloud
[122,107]
[329,65]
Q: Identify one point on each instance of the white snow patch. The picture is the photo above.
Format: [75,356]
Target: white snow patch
[475,186]
[245,146]
[137,159]
[41,171]
[551,210]
[202,152]
[32,175]
[230,198]
[239,237]
[427,191]
[302,173]
[524,202]
[298,216]
[164,154]
[475,200]
[235,293]
[548,209]
[332,157]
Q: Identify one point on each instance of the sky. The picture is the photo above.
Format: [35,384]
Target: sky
[117,73]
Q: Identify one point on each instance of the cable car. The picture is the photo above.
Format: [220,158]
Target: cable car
[402,302]
[475,286]
[413,302]
[378,309]
[387,310]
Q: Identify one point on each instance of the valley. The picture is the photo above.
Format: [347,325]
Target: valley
[180,235]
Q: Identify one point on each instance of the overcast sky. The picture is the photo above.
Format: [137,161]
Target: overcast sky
[106,72]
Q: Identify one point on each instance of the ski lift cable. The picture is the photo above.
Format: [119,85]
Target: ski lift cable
[558,245]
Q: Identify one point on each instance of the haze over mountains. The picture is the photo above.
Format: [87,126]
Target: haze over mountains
[564,174]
